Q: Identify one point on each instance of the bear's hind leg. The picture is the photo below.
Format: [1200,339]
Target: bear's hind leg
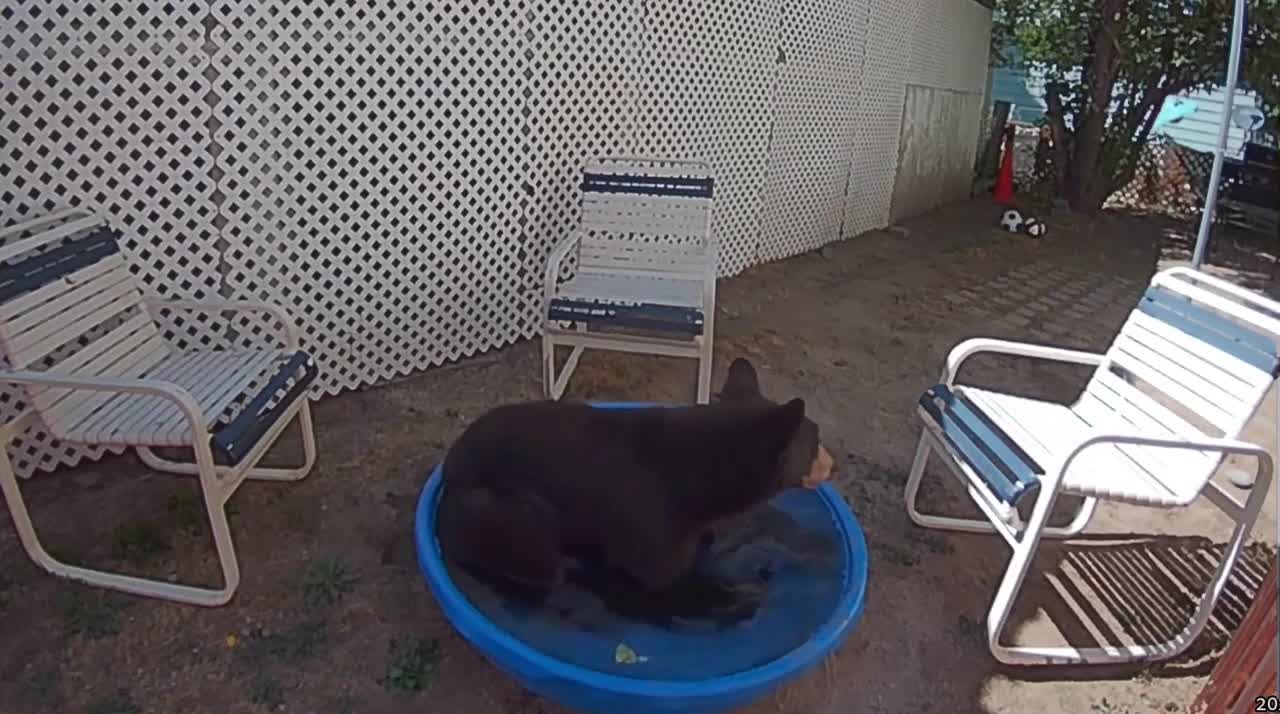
[500,540]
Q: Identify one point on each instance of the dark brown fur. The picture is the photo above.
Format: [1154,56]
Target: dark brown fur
[640,487]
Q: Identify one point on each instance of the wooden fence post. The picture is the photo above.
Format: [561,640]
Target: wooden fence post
[1248,669]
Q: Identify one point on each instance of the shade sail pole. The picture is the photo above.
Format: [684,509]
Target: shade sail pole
[1224,127]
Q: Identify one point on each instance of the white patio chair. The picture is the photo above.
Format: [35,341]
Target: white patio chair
[645,277]
[82,343]
[1208,346]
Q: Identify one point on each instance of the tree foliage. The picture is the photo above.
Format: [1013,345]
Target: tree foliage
[1109,65]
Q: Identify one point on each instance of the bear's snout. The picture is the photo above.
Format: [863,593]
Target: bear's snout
[820,469]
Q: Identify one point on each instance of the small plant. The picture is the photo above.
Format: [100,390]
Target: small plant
[121,702]
[296,643]
[897,555]
[932,542]
[94,614]
[413,665]
[266,692]
[138,543]
[326,581]
[970,629]
[186,510]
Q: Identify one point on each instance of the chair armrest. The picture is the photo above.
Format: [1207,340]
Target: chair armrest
[980,345]
[1205,443]
[119,385]
[291,332]
[554,261]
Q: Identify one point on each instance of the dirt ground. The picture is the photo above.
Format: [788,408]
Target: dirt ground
[332,614]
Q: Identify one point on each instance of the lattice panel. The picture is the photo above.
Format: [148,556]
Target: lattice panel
[370,157]
[703,88]
[578,107]
[394,172]
[822,48]
[104,108]
[949,46]
[878,115]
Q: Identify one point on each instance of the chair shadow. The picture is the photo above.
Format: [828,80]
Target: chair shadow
[1125,589]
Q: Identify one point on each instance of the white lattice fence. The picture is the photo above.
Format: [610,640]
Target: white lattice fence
[821,53]
[370,158]
[934,43]
[879,114]
[395,171]
[704,88]
[579,106]
[945,30]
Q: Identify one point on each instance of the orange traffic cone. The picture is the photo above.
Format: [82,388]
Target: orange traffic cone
[1003,192]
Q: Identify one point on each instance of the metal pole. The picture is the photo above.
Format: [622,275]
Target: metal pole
[1233,77]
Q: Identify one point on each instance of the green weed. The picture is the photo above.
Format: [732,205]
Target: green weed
[896,554]
[969,629]
[413,665]
[186,510]
[326,581]
[94,614]
[139,542]
[295,643]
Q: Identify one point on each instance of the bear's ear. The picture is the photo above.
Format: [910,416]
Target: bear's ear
[742,382]
[786,419]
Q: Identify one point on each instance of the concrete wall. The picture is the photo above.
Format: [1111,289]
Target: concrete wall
[936,149]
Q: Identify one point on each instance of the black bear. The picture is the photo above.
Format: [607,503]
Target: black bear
[641,488]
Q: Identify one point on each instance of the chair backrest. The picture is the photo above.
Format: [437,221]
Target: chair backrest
[646,215]
[1206,350]
[70,305]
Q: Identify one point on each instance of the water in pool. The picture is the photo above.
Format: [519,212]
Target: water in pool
[781,573]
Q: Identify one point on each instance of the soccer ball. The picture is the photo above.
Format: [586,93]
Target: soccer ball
[1034,228]
[1012,221]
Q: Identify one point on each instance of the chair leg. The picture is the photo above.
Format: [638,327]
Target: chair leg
[159,463]
[215,504]
[704,370]
[977,525]
[969,525]
[553,384]
[1025,550]
[548,364]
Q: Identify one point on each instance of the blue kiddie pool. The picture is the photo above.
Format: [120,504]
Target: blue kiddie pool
[808,542]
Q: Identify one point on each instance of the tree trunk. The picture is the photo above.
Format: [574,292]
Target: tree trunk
[1061,136]
[1086,185]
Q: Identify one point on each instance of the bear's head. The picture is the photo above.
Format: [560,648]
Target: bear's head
[803,460]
